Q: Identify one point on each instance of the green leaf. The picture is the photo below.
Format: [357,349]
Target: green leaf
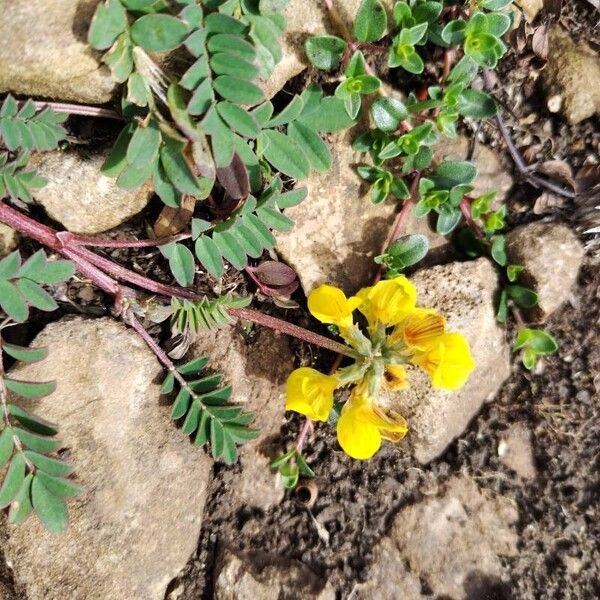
[290,113]
[408,251]
[523,296]
[49,465]
[32,422]
[329,117]
[10,265]
[13,480]
[181,404]
[513,271]
[178,170]
[454,32]
[226,42]
[36,296]
[447,220]
[220,23]
[542,342]
[159,33]
[209,255]
[109,21]
[120,58]
[285,154]
[116,161]
[454,172]
[238,119]
[476,104]
[498,250]
[24,354]
[217,438]
[314,148]
[51,510]
[12,302]
[282,459]
[225,63]
[387,113]
[238,90]
[63,488]
[325,51]
[181,263]
[194,366]
[144,145]
[370,23]
[6,446]
[21,506]
[37,443]
[305,470]
[289,475]
[29,389]
[231,249]
[502,313]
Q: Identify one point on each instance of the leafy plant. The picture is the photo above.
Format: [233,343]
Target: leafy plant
[533,344]
[291,466]
[403,253]
[203,407]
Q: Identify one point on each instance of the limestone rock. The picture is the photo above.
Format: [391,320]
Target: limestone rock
[303,20]
[551,254]
[144,487]
[516,452]
[464,293]
[257,371]
[338,229]
[44,51]
[453,542]
[530,8]
[80,197]
[492,175]
[260,576]
[9,239]
[572,77]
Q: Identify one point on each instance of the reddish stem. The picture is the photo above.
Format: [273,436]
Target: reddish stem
[78,240]
[465,207]
[78,109]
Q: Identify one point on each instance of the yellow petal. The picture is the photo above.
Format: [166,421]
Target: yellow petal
[449,363]
[423,329]
[388,302]
[395,377]
[329,304]
[358,438]
[310,393]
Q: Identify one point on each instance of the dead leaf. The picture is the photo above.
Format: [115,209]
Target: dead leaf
[547,203]
[539,42]
[558,170]
[234,178]
[173,220]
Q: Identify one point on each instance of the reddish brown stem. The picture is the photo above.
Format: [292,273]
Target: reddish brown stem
[78,240]
[465,207]
[79,109]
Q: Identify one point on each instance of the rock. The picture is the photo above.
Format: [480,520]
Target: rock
[338,230]
[464,293]
[516,452]
[144,487]
[530,8]
[453,542]
[80,197]
[258,576]
[9,239]
[389,574]
[572,77]
[258,372]
[492,175]
[44,51]
[551,254]
[303,20]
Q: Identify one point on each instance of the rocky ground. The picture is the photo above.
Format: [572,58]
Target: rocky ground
[494,494]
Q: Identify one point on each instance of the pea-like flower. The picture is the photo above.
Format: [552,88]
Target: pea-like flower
[399,334]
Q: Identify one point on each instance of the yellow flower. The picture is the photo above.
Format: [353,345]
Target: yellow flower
[396,378]
[310,393]
[362,426]
[388,302]
[423,329]
[330,305]
[449,363]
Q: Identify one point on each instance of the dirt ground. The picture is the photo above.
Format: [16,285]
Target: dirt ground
[559,403]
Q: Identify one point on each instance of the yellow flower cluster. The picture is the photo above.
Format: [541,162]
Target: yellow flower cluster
[399,333]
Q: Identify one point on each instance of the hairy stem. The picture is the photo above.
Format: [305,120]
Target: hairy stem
[79,240]
[78,109]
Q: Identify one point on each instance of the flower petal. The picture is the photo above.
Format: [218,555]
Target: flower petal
[329,304]
[358,438]
[389,301]
[310,393]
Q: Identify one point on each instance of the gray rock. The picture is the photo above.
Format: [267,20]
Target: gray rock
[144,487]
[338,229]
[572,77]
[44,51]
[516,452]
[9,239]
[453,542]
[80,197]
[257,371]
[552,255]
[258,576]
[464,293]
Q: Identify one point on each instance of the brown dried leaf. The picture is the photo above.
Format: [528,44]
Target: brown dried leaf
[274,273]
[234,178]
[558,170]
[173,220]
[539,42]
[547,203]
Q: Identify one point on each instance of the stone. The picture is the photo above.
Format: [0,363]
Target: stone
[571,77]
[552,255]
[530,8]
[464,294]
[144,486]
[516,452]
[80,197]
[9,239]
[258,372]
[44,51]
[338,230]
[492,174]
[453,542]
[260,576]
[303,20]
